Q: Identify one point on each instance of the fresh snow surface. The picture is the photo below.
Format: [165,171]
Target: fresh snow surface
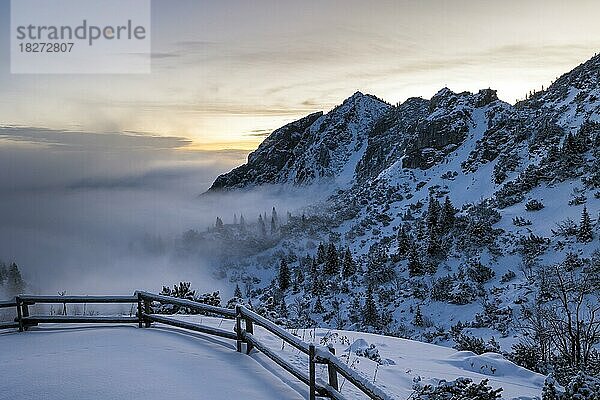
[402,362]
[125,362]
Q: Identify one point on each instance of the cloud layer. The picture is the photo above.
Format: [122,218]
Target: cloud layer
[80,210]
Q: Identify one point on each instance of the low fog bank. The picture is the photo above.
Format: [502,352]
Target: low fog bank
[101,213]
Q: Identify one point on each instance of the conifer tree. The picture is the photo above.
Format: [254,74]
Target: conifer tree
[3,274]
[299,279]
[284,276]
[318,308]
[421,231]
[321,254]
[581,387]
[433,218]
[379,269]
[405,242]
[415,266]
[418,320]
[314,270]
[585,233]
[262,228]
[238,292]
[332,265]
[370,315]
[274,221]
[348,264]
[355,310]
[317,286]
[14,283]
[433,214]
[242,222]
[549,391]
[434,245]
[283,310]
[447,216]
[235,220]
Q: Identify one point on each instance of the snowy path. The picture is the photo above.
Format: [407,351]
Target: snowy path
[124,362]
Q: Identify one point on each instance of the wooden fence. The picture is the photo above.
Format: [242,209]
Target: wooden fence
[243,334]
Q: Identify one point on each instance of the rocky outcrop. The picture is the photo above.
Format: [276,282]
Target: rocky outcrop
[267,161]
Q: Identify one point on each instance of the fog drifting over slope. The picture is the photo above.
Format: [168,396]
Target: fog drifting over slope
[99,213]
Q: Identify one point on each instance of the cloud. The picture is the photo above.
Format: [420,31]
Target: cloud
[129,141]
[260,132]
[152,179]
[74,205]
[94,213]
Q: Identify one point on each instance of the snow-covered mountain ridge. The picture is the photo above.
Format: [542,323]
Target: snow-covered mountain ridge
[311,149]
[418,131]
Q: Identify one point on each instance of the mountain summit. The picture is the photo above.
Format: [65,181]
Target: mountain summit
[315,149]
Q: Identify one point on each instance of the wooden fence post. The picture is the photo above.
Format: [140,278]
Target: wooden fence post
[250,330]
[139,310]
[333,379]
[19,313]
[25,313]
[311,372]
[147,310]
[238,327]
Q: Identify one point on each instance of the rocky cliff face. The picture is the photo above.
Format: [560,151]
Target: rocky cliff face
[317,149]
[265,163]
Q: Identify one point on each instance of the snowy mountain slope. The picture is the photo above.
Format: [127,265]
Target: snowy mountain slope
[332,147]
[453,210]
[389,137]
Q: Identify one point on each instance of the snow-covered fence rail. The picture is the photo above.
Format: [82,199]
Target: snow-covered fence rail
[316,355]
[8,304]
[24,319]
[243,334]
[145,312]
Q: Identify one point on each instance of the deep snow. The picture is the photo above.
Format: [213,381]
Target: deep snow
[125,362]
[118,362]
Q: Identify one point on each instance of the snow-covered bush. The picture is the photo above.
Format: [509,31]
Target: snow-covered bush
[461,388]
[371,352]
[534,205]
[508,276]
[494,317]
[582,387]
[476,345]
[527,356]
[478,272]
[520,221]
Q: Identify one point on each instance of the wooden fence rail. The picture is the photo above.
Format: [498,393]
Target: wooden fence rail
[8,304]
[243,334]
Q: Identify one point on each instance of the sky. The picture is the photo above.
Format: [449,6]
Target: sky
[98,172]
[225,73]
